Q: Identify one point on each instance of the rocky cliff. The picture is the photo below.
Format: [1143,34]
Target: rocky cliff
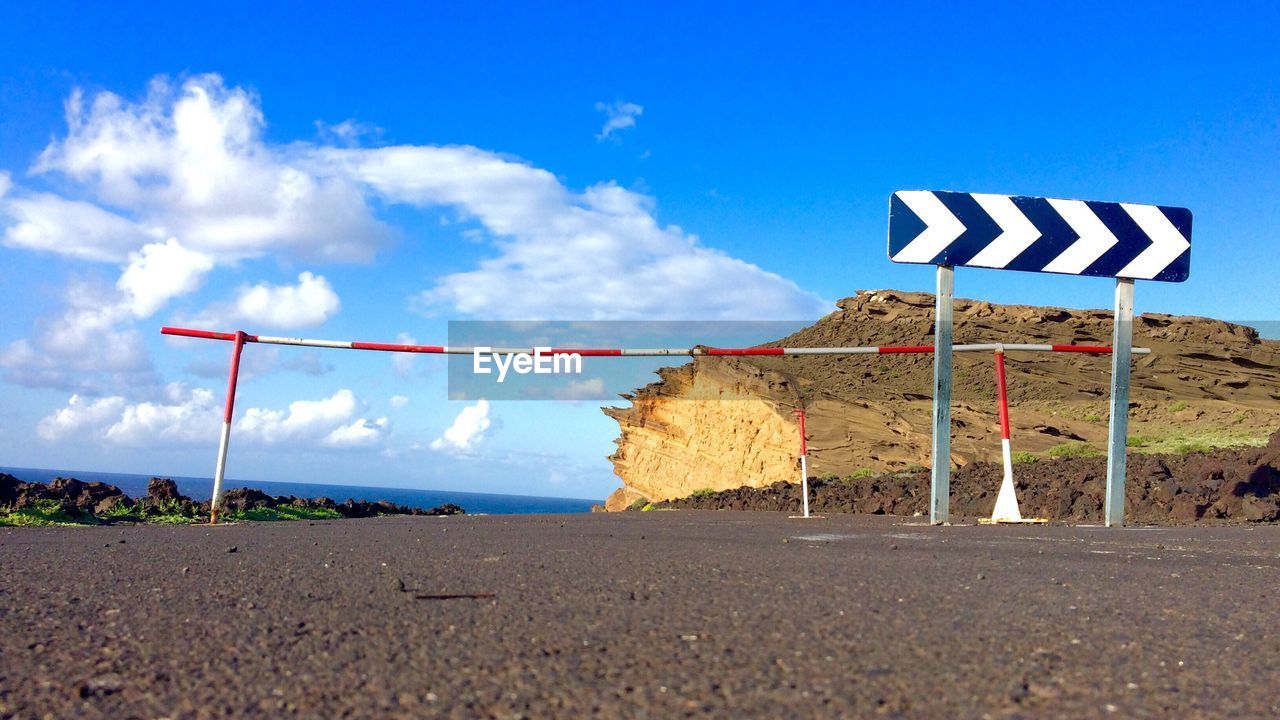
[725,422]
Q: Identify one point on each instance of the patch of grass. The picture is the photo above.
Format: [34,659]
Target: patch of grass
[702,493]
[914,468]
[638,504]
[647,507]
[1139,441]
[1094,418]
[1022,457]
[46,512]
[170,519]
[1179,406]
[862,472]
[171,513]
[1074,449]
[284,512]
[1197,442]
[117,512]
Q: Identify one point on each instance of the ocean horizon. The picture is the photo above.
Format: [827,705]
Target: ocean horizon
[198,488]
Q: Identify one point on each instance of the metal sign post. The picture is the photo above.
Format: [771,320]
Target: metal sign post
[1045,235]
[1117,438]
[940,487]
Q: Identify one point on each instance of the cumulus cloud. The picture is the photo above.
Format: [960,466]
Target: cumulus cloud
[182,181]
[189,162]
[185,416]
[361,433]
[161,271]
[80,414]
[467,430]
[398,401]
[599,254]
[618,116]
[307,304]
[82,337]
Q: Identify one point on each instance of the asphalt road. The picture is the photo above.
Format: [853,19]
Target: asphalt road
[643,615]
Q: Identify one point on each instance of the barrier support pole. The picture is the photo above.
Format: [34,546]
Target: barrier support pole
[1006,509]
[1117,439]
[220,469]
[804,464]
[940,485]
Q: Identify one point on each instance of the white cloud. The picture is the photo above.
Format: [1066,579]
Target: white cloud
[79,414]
[361,433]
[185,416]
[70,227]
[332,422]
[161,271]
[81,337]
[595,255]
[190,162]
[182,181]
[308,303]
[467,430]
[398,401]
[618,116]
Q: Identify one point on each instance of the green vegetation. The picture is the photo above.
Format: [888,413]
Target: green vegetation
[1179,406]
[1022,457]
[647,507]
[46,512]
[862,472]
[638,504]
[702,493]
[171,513]
[1196,442]
[1075,449]
[284,512]
[1094,418]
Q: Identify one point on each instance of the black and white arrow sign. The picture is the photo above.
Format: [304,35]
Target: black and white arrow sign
[1072,237]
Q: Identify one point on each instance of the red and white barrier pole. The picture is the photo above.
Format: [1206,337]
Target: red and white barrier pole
[1007,501]
[804,463]
[639,352]
[221,468]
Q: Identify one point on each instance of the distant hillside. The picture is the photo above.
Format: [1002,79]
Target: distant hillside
[725,422]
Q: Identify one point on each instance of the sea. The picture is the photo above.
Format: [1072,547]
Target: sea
[135,486]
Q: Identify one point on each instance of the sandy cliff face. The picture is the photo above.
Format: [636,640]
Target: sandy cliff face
[716,425]
[719,423]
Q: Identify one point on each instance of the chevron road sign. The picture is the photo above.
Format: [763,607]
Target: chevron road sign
[1071,237]
[1124,241]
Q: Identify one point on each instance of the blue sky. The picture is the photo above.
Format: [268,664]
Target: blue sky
[372,172]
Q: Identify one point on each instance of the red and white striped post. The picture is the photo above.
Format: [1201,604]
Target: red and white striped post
[1007,501]
[221,468]
[804,462]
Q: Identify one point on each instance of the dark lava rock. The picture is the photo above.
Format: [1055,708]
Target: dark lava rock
[447,509]
[10,486]
[1231,484]
[247,499]
[164,489]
